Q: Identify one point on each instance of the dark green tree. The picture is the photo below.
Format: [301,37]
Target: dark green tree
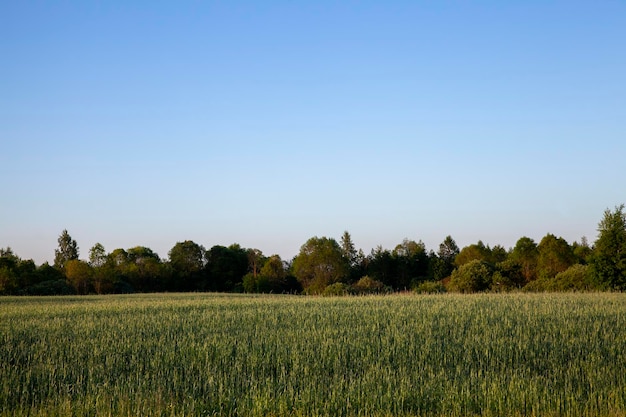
[526,255]
[255,261]
[347,248]
[8,265]
[67,250]
[225,268]
[412,264]
[187,260]
[382,266]
[609,258]
[442,264]
[103,277]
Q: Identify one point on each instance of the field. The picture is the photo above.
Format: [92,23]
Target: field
[237,355]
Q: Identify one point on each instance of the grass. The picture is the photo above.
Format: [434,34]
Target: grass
[242,355]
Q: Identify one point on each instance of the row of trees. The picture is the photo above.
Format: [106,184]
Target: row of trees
[327,266]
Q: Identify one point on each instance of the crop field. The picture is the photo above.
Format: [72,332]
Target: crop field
[241,355]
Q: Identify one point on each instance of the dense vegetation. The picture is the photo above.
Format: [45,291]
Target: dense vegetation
[327,266]
[271,355]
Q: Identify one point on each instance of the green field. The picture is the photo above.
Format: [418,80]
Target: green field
[400,355]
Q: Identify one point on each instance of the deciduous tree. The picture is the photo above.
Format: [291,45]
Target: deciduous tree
[554,255]
[473,276]
[78,274]
[320,263]
[67,250]
[525,254]
[609,258]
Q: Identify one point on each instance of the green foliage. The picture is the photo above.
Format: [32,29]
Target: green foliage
[474,252]
[525,253]
[256,284]
[474,276]
[187,261]
[51,287]
[609,258]
[442,265]
[226,267]
[507,276]
[79,275]
[554,255]
[319,264]
[367,285]
[577,277]
[582,251]
[67,250]
[97,256]
[430,287]
[187,257]
[347,249]
[336,290]
[411,262]
[198,355]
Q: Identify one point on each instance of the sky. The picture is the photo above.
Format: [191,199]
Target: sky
[267,123]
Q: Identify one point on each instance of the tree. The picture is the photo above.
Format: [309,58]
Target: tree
[140,267]
[255,260]
[382,266]
[103,278]
[347,248]
[477,251]
[609,259]
[412,263]
[525,254]
[274,269]
[319,264]
[225,268]
[442,264]
[97,256]
[473,276]
[8,266]
[554,255]
[187,260]
[582,251]
[448,250]
[78,274]
[67,250]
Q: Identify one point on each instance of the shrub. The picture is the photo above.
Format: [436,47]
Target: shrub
[474,276]
[430,287]
[56,287]
[575,278]
[336,289]
[367,285]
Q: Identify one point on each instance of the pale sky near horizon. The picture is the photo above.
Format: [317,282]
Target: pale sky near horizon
[266,123]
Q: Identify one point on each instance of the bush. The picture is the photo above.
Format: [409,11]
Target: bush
[474,276]
[56,287]
[367,285]
[575,278]
[336,289]
[430,287]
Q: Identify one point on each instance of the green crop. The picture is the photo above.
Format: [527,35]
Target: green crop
[235,355]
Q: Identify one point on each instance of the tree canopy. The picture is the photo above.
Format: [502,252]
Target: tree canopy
[326,266]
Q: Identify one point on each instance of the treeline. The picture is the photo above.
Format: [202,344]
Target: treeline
[327,266]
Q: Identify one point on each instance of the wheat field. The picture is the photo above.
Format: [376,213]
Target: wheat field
[269,355]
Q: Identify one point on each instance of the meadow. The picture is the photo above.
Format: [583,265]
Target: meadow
[270,355]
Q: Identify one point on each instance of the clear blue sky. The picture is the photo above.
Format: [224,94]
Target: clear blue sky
[266,123]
